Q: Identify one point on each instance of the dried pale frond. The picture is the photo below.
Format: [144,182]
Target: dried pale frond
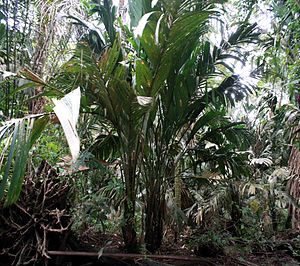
[261,161]
[29,75]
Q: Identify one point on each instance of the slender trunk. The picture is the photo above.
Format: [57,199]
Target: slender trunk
[155,211]
[177,185]
[6,9]
[177,194]
[128,228]
[142,235]
[293,186]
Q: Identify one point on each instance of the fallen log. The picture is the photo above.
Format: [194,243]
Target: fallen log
[127,256]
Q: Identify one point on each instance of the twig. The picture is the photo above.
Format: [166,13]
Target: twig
[23,210]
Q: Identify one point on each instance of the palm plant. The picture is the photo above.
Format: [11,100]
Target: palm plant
[177,65]
[117,106]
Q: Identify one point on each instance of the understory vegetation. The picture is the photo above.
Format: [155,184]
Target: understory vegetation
[167,131]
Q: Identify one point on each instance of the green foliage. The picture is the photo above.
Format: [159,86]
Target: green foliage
[96,199]
[49,146]
[107,12]
[17,137]
[282,53]
[137,10]
[91,213]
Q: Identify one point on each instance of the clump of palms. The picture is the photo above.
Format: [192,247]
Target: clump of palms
[155,96]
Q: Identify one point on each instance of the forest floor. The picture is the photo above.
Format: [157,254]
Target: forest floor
[31,230]
[180,254]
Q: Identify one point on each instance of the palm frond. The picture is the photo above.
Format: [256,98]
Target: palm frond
[17,138]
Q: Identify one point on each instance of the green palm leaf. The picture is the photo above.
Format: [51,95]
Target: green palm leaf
[17,139]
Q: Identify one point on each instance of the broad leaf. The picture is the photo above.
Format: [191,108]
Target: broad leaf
[67,111]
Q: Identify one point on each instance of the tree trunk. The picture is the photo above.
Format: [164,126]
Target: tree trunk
[44,39]
[177,194]
[155,210]
[177,185]
[128,228]
[293,187]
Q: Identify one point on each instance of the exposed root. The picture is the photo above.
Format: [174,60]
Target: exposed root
[37,221]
